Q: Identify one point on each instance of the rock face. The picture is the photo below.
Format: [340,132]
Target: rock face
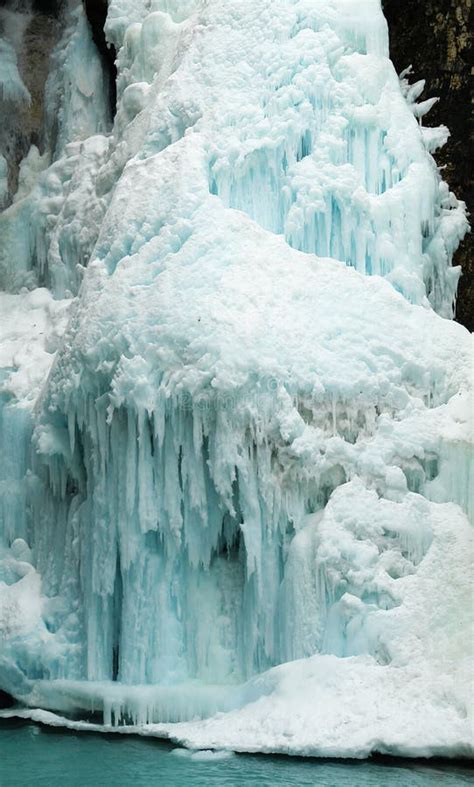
[434,36]
[31,29]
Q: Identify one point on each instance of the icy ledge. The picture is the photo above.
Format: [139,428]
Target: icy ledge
[410,698]
[418,705]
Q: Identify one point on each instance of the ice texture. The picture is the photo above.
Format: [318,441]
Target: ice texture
[76,93]
[12,87]
[3,180]
[238,482]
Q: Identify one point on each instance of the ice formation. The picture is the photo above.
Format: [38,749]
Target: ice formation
[236,485]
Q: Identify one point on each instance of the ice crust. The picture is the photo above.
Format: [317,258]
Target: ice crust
[12,87]
[236,513]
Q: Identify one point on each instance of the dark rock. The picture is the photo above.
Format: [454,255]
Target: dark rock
[6,700]
[47,7]
[435,37]
[96,11]
[22,123]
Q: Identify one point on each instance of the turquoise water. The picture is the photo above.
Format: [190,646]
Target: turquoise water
[32,755]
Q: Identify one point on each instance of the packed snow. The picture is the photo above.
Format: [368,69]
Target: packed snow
[31,328]
[235,407]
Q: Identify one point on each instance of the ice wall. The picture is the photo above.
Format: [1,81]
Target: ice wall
[46,237]
[35,185]
[256,427]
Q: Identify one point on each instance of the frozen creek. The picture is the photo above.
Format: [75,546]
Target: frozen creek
[236,471]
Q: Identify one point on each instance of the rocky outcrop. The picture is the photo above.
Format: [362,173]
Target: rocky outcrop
[435,37]
[31,29]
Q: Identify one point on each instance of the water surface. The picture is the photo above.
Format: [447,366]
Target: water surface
[34,755]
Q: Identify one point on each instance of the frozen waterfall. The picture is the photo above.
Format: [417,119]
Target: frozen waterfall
[235,410]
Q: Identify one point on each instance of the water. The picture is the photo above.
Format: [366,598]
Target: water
[33,755]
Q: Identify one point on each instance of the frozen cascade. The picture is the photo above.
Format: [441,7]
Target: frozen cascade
[50,229]
[240,411]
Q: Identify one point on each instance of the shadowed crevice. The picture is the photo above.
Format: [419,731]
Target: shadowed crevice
[96,11]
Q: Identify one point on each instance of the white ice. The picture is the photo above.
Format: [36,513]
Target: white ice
[247,487]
